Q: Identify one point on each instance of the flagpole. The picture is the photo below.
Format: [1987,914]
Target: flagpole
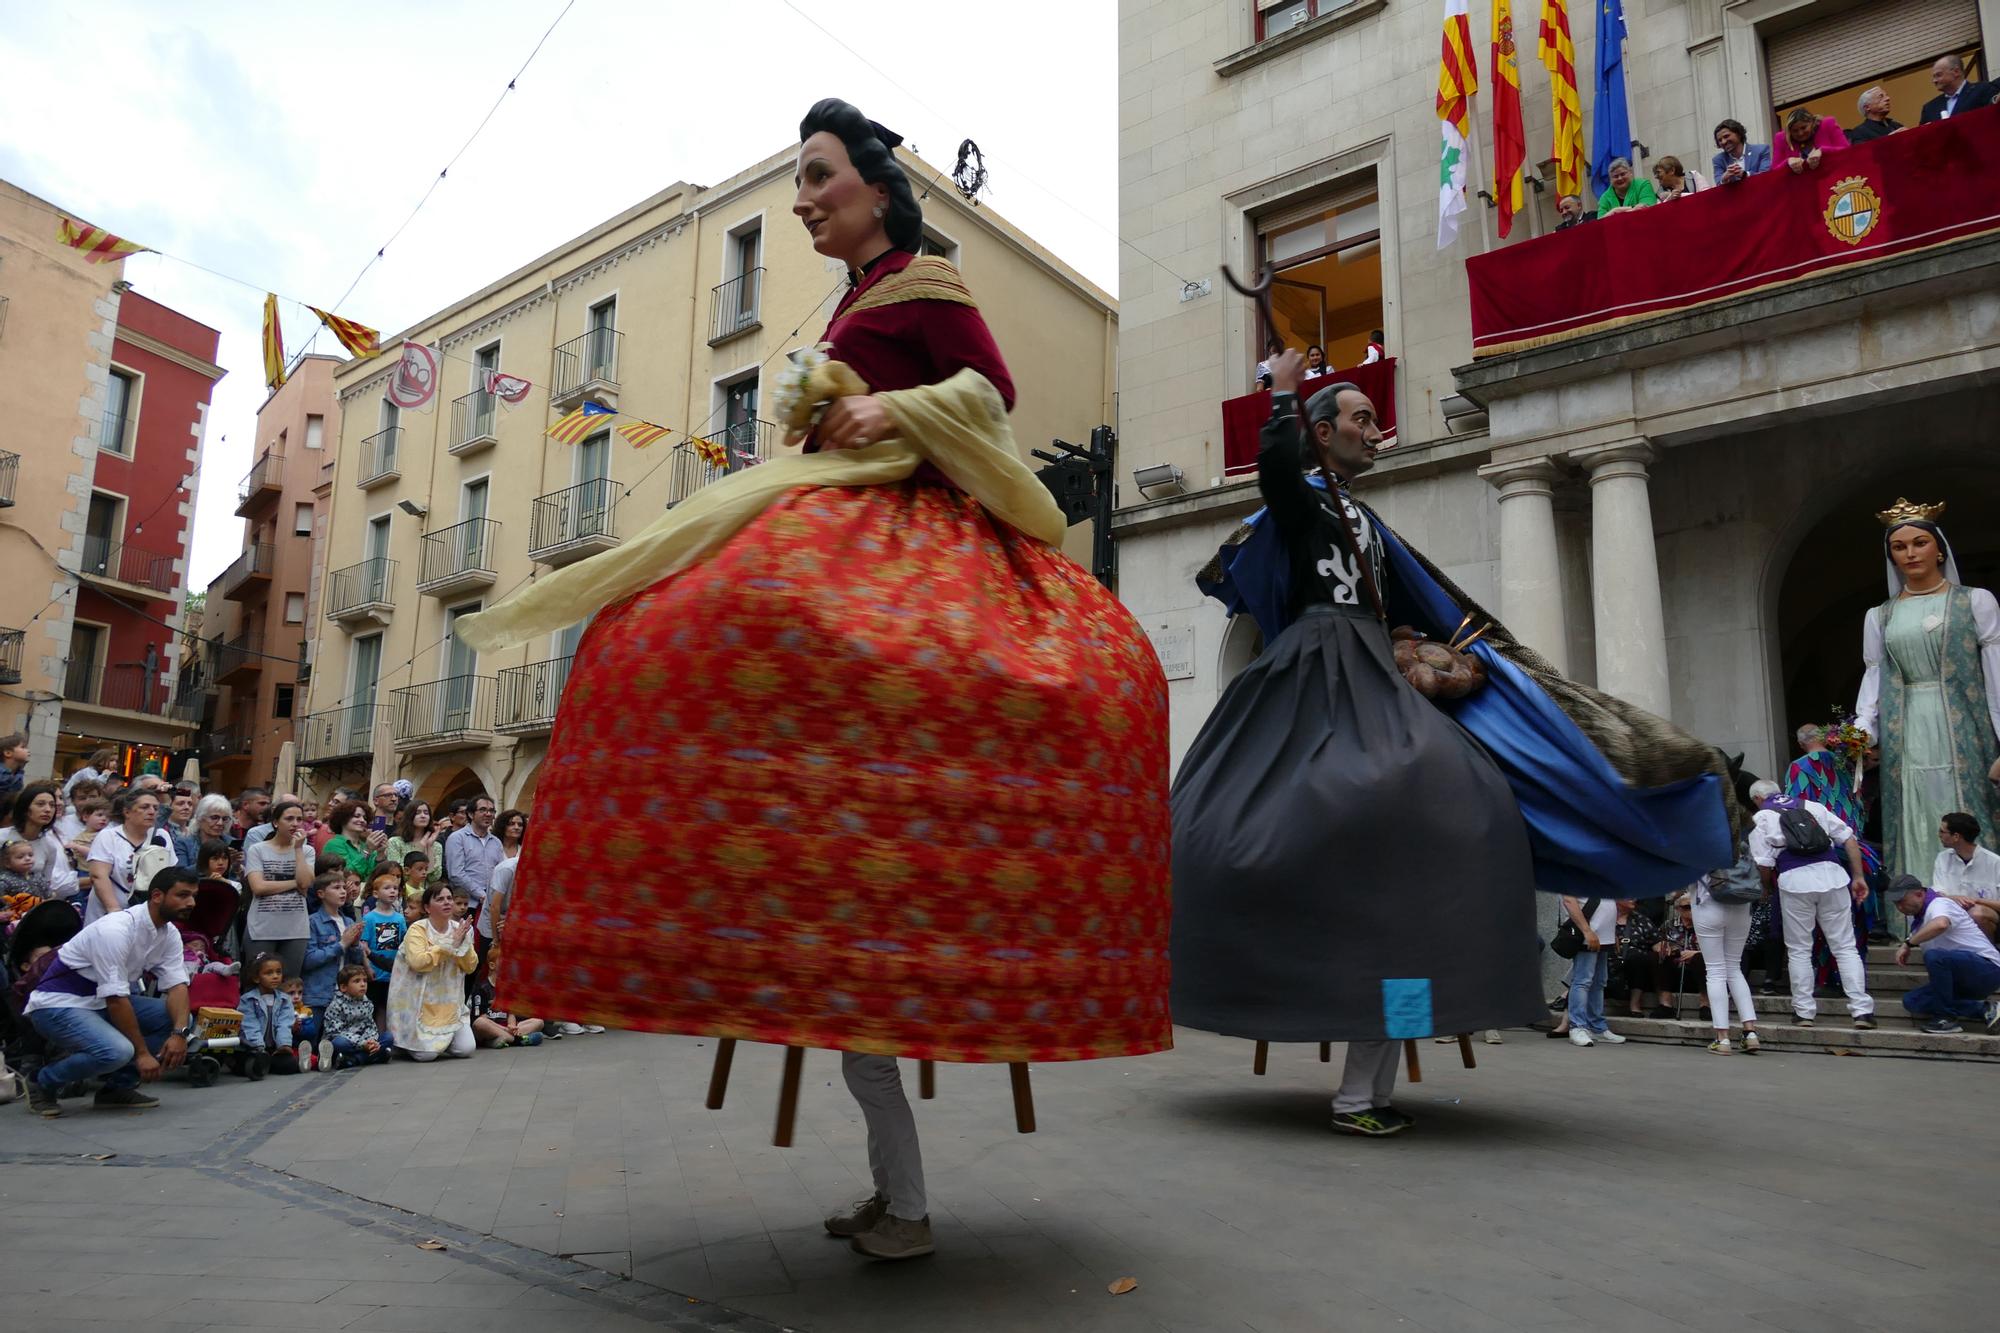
[1631,121]
[1477,175]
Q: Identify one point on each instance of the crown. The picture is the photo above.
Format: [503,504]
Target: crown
[1904,512]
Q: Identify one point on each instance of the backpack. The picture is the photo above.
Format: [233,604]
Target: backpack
[147,862]
[1739,883]
[1803,835]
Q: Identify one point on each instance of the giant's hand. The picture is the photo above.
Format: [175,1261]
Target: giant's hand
[853,422]
[1288,371]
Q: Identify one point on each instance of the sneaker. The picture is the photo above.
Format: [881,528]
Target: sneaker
[1992,1015]
[123,1099]
[1609,1037]
[1941,1027]
[326,1063]
[570,1029]
[1865,1022]
[532,1039]
[1801,1020]
[860,1216]
[1750,1043]
[1493,1037]
[43,1100]
[305,1057]
[593,1029]
[1374,1123]
[1721,1046]
[895,1238]
[1578,1037]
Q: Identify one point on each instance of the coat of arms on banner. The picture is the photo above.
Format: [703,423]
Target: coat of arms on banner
[415,382]
[1853,209]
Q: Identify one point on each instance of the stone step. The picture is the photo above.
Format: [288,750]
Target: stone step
[1882,980]
[1896,1037]
[1832,1008]
[1884,955]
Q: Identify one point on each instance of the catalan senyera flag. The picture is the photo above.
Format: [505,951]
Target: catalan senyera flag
[356,338]
[274,345]
[1510,136]
[1559,58]
[641,433]
[580,424]
[1458,77]
[98,246]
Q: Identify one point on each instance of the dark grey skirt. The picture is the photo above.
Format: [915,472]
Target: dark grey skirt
[1349,864]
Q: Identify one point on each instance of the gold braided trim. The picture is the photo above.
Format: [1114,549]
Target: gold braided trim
[929,278]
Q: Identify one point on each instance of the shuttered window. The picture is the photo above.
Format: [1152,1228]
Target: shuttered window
[1865,43]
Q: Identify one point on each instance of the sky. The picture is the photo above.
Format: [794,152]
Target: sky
[282,145]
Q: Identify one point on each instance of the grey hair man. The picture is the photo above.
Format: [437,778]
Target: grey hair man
[1874,122]
[1799,846]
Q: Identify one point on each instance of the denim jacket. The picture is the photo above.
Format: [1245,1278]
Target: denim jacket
[260,1010]
[325,957]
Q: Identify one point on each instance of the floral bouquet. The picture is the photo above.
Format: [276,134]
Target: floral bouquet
[807,386]
[1847,742]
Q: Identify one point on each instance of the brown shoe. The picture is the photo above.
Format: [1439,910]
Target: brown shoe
[862,1216]
[895,1238]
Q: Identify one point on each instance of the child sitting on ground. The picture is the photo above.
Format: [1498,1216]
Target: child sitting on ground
[268,1017]
[494,1028]
[350,1022]
[382,933]
[305,1026]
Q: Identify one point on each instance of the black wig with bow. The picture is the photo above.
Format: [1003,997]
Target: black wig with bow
[868,147]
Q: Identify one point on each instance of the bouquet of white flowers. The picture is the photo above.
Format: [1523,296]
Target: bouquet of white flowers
[807,386]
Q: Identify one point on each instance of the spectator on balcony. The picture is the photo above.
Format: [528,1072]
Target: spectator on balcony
[1274,347]
[1674,181]
[1808,138]
[13,766]
[1377,349]
[1736,158]
[417,834]
[1627,190]
[100,766]
[1875,120]
[471,853]
[1955,92]
[1315,361]
[1570,209]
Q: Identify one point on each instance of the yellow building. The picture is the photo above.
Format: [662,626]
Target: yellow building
[675,312]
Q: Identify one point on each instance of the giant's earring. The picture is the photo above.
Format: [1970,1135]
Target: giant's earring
[879,210]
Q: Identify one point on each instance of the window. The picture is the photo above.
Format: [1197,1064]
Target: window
[295,608]
[281,701]
[746,255]
[101,532]
[567,639]
[593,458]
[315,432]
[739,415]
[279,447]
[472,501]
[936,243]
[388,416]
[1275,17]
[86,646]
[366,665]
[601,352]
[302,518]
[121,396]
[1326,251]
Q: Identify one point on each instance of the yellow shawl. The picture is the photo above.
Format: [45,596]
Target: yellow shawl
[960,425]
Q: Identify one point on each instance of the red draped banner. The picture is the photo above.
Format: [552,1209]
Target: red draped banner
[1243,418]
[1922,187]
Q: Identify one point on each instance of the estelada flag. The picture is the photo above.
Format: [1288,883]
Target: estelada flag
[274,345]
[356,338]
[580,423]
[98,246]
[641,433]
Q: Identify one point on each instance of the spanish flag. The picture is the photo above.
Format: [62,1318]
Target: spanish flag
[581,424]
[274,345]
[1559,58]
[1510,136]
[98,246]
[356,338]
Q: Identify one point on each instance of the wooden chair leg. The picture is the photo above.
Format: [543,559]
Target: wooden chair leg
[1465,1050]
[1263,1057]
[1410,1058]
[926,1080]
[1326,1052]
[788,1096]
[1024,1099]
[718,1080]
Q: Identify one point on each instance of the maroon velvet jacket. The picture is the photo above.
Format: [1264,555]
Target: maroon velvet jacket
[913,343]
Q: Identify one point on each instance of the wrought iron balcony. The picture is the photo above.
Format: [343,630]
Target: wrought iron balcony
[337,734]
[742,445]
[122,685]
[234,741]
[127,567]
[10,471]
[249,575]
[529,696]
[474,422]
[265,481]
[242,657]
[587,367]
[12,642]
[445,714]
[362,592]
[735,307]
[111,433]
[381,457]
[459,558]
[570,524]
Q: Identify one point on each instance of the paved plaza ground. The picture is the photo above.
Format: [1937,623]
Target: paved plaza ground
[583,1186]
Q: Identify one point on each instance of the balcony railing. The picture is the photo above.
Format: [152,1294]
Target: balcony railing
[121,685]
[1243,418]
[116,562]
[744,444]
[111,433]
[254,566]
[380,456]
[586,365]
[264,479]
[473,422]
[458,557]
[529,696]
[733,307]
[362,590]
[572,523]
[457,710]
[230,742]
[11,645]
[336,734]
[243,654]
[10,471]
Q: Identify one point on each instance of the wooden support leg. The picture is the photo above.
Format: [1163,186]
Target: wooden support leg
[1465,1050]
[1410,1057]
[1024,1099]
[926,1080]
[788,1096]
[718,1081]
[1263,1057]
[1326,1052]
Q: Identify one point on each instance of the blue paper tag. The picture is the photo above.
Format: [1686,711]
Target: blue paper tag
[1406,1007]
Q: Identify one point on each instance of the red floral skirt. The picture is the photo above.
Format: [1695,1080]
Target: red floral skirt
[879,775]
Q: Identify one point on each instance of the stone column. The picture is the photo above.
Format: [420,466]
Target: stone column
[1625,575]
[1531,600]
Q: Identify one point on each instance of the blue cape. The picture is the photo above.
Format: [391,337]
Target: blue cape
[1591,833]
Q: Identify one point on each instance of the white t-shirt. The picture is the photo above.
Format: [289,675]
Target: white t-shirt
[277,916]
[1962,934]
[1767,839]
[1604,921]
[1977,878]
[112,847]
[114,955]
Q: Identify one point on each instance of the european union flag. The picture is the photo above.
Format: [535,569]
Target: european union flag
[1611,127]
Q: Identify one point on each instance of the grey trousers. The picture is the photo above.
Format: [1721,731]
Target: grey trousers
[1369,1077]
[894,1158]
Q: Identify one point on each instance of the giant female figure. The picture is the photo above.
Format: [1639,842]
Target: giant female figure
[884,773]
[1931,692]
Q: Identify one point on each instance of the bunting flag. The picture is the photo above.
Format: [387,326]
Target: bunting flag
[583,422]
[1565,106]
[359,339]
[641,433]
[413,388]
[1510,136]
[98,246]
[509,389]
[1458,77]
[274,345]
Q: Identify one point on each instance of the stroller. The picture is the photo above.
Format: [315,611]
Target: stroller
[212,996]
[48,926]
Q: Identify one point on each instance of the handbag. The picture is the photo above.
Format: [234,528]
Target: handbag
[1568,941]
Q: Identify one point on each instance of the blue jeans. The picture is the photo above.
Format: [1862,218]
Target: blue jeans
[92,1046]
[1588,972]
[349,1051]
[1960,982]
